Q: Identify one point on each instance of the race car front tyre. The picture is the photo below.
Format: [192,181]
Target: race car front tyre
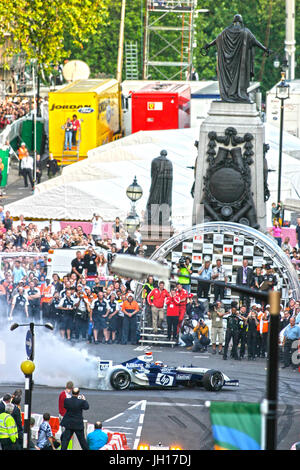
[120,379]
[213,380]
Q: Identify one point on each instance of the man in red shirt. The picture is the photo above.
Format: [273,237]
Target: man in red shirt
[183,296]
[67,393]
[156,298]
[173,302]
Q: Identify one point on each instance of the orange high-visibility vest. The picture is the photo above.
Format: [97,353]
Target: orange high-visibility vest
[47,294]
[265,324]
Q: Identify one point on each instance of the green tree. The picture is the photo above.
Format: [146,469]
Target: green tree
[37,27]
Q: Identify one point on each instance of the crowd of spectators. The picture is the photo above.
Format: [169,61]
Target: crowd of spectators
[12,109]
[93,305]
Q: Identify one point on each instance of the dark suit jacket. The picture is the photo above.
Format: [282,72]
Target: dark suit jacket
[239,277]
[73,418]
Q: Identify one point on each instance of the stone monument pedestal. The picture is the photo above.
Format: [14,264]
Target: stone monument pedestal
[155,235]
[233,133]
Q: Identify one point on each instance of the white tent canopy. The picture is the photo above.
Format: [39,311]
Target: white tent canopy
[98,184]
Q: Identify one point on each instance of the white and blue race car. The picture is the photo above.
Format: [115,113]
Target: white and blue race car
[142,371]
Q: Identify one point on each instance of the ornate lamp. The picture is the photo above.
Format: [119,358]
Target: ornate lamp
[134,192]
[282,93]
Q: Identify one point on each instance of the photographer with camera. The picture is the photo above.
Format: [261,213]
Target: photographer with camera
[201,338]
[194,309]
[216,314]
[184,272]
[73,419]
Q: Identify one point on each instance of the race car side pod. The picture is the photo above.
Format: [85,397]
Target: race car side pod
[258,294]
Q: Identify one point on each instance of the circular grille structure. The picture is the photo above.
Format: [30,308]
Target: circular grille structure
[231,242]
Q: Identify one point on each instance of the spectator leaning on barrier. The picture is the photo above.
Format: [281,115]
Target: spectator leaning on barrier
[45,437]
[205,273]
[97,438]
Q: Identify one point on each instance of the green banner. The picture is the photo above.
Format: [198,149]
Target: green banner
[4,155]
[236,426]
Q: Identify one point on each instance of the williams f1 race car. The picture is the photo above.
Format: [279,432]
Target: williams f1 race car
[143,372]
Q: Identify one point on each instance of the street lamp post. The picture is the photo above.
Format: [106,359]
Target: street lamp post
[27,368]
[282,93]
[134,192]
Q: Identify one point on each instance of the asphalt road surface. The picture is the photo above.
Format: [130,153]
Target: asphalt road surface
[177,416]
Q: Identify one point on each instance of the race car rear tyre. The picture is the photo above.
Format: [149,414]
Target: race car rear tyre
[213,380]
[120,379]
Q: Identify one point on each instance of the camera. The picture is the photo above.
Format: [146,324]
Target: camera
[181,262]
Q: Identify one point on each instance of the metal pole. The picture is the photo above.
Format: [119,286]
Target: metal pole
[28,398]
[280,150]
[121,41]
[272,373]
[34,124]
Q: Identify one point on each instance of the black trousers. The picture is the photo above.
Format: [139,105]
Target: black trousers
[80,326]
[172,323]
[242,340]
[234,335]
[219,293]
[251,343]
[27,174]
[67,435]
[289,348]
[202,290]
[6,444]
[34,312]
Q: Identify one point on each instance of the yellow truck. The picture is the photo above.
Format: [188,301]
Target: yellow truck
[96,105]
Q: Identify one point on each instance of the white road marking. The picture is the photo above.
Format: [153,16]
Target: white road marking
[159,403]
[114,417]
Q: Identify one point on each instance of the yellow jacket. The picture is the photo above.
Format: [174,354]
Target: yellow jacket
[8,428]
[201,330]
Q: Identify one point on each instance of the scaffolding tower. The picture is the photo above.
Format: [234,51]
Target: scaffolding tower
[168,39]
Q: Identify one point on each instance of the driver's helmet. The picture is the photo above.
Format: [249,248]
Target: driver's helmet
[159,363]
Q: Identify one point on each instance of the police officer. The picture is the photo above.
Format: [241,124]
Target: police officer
[34,297]
[98,315]
[232,331]
[67,306]
[113,310]
[81,314]
[19,306]
[56,315]
[269,277]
